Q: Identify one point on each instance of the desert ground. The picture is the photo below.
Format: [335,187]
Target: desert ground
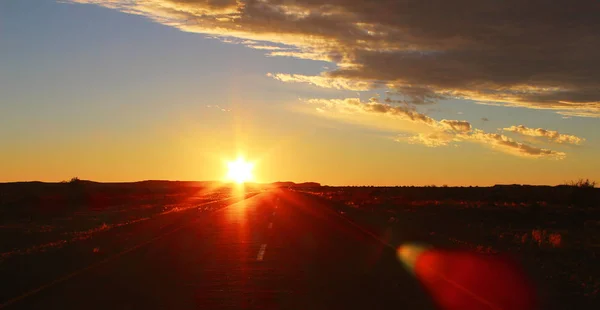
[54,233]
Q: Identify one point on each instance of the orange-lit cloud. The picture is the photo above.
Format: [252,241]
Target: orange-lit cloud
[442,132]
[494,140]
[434,139]
[551,135]
[532,54]
[510,146]
[350,105]
[321,81]
[458,126]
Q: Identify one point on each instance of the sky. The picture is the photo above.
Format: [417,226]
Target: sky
[341,92]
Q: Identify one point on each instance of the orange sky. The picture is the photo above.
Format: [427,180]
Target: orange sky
[139,93]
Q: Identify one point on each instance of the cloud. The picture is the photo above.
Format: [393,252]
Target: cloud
[353,105]
[435,139]
[442,132]
[321,81]
[416,94]
[585,113]
[511,146]
[551,135]
[267,47]
[534,54]
[496,141]
[458,126]
[533,98]
[218,108]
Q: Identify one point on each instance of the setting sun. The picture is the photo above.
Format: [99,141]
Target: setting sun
[239,171]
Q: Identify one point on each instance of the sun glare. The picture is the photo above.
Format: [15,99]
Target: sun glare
[239,171]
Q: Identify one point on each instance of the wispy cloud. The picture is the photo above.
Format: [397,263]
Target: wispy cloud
[496,141]
[442,133]
[551,135]
[375,107]
[218,108]
[458,126]
[534,54]
[268,47]
[434,139]
[345,84]
[508,145]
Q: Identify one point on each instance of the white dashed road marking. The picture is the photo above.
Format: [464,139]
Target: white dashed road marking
[261,252]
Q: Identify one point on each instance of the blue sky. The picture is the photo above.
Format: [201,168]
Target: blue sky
[96,92]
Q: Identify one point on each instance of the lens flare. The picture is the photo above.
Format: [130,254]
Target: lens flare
[458,279]
[408,255]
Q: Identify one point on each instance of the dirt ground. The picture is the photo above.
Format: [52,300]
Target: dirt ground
[557,240]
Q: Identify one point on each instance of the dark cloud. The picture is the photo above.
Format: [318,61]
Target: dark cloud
[412,94]
[537,54]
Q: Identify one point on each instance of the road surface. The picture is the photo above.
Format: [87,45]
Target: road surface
[276,250]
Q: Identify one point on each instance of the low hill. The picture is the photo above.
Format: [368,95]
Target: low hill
[296,185]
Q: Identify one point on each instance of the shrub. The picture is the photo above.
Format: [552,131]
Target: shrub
[581,183]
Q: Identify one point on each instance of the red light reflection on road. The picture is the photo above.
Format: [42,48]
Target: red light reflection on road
[234,241]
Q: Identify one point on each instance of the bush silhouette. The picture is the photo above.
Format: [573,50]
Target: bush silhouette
[581,183]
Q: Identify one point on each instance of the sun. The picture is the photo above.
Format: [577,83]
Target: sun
[239,171]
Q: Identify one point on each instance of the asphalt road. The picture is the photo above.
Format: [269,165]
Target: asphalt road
[276,250]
